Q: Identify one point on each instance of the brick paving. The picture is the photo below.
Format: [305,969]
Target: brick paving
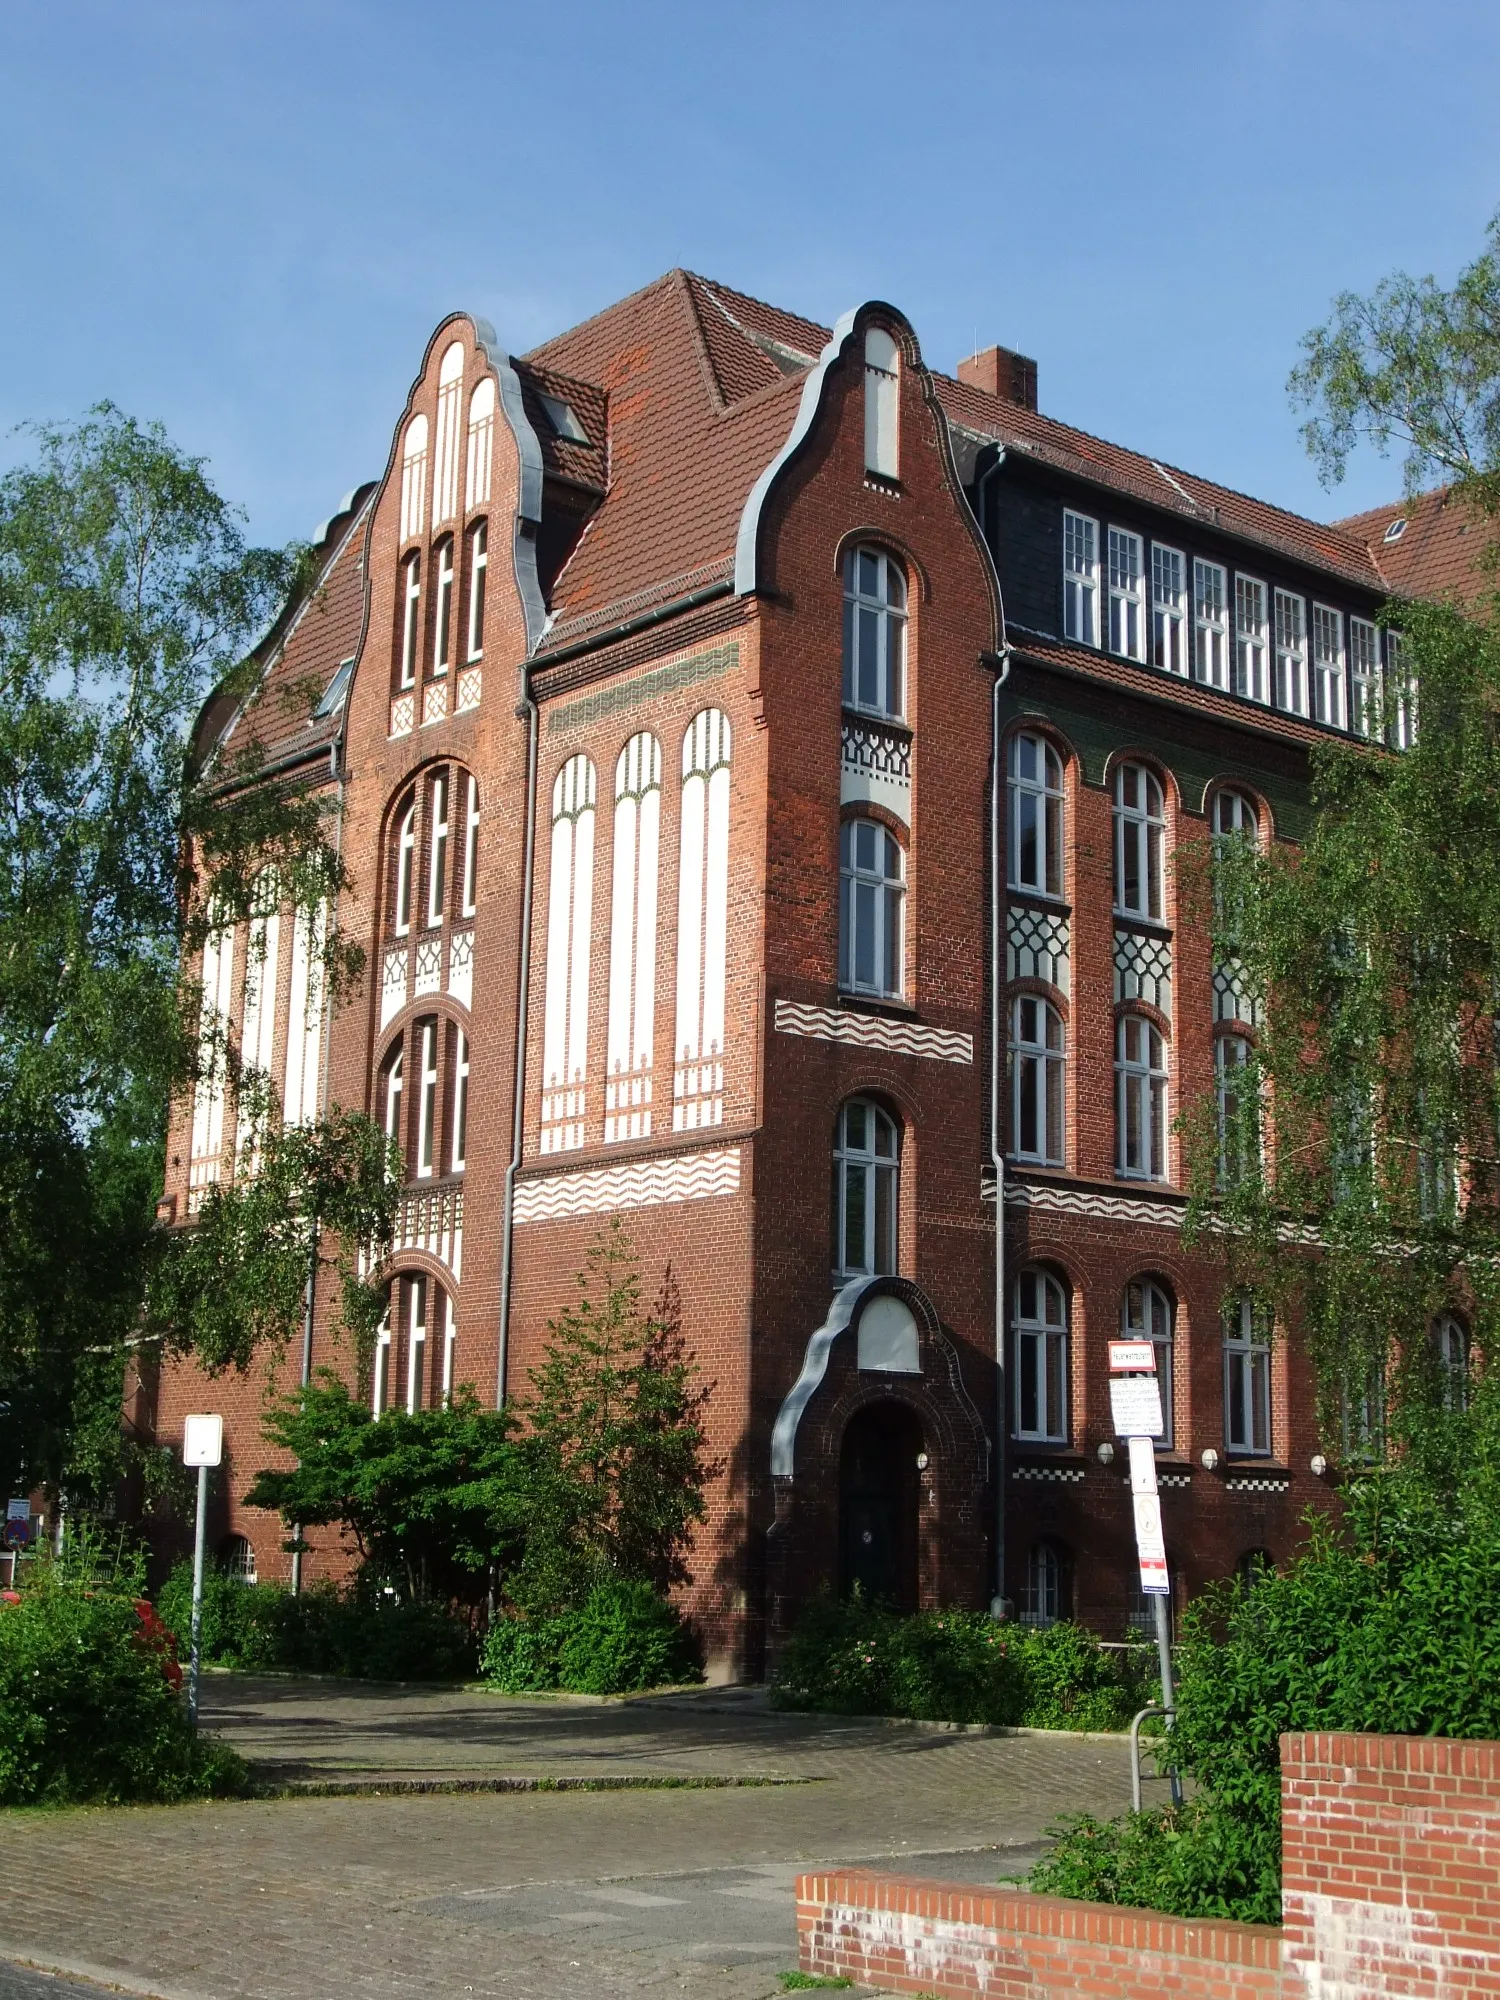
[536,1895]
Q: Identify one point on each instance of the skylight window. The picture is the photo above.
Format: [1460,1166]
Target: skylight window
[1397,529]
[337,688]
[560,416]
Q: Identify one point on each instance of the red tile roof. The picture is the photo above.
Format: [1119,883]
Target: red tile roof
[1437,553]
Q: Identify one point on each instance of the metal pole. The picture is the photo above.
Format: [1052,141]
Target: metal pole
[197,1594]
[309,1302]
[1163,1605]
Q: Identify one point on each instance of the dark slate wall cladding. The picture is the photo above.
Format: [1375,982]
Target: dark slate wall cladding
[1024,524]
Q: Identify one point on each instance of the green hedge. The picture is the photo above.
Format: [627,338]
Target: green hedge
[622,1639]
[360,1635]
[857,1658]
[90,1713]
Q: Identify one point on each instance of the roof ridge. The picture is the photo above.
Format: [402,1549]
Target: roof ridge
[604,312]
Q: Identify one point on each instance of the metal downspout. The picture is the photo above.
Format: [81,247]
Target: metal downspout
[999,1607]
[529,709]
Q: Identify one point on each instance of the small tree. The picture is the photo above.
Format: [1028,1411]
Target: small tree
[614,1452]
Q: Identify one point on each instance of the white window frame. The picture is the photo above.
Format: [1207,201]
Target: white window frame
[450,1345]
[427,1100]
[1401,696]
[874,1167]
[1211,623]
[1039,1346]
[442,624]
[417,1291]
[471,850]
[380,1383]
[1247,1381]
[1080,578]
[1364,675]
[872,909]
[875,615]
[1231,1059]
[393,1086]
[411,617]
[882,404]
[1252,639]
[1168,609]
[437,848]
[460,1103]
[1140,828]
[1037,810]
[1290,615]
[478,568]
[1142,1100]
[1039,1081]
[406,868]
[1127,594]
[1148,1312]
[1328,665]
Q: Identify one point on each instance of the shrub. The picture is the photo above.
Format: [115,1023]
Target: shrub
[858,1658]
[90,1713]
[623,1638]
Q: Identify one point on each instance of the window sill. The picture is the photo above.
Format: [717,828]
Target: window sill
[876,1003]
[882,482]
[1017,892]
[897,724]
[1147,926]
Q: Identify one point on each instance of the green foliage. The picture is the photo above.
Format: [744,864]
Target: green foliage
[613,1454]
[432,1500]
[809,1982]
[90,1715]
[858,1658]
[621,1639]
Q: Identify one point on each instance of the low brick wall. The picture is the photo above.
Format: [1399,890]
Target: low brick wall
[1391,1886]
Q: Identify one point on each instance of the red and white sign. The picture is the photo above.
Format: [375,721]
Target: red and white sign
[1132,1357]
[1151,1548]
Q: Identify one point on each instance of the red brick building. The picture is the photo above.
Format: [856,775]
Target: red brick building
[665,676]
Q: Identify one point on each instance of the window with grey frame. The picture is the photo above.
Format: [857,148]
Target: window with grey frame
[1034,852]
[1247,1379]
[874,633]
[866,1190]
[1039,1358]
[1044,1586]
[1140,824]
[1140,1099]
[1147,1313]
[1038,1058]
[872,905]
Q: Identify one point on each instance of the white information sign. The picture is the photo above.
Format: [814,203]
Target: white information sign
[1135,1403]
[1132,1357]
[202,1440]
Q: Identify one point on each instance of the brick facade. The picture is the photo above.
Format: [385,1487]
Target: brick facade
[667,497]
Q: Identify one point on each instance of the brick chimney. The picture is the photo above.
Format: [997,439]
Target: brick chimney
[1002,372]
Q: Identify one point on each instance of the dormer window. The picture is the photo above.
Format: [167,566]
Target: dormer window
[882,383]
[564,423]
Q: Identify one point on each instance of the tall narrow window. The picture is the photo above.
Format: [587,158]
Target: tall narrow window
[449,409]
[1147,1314]
[632,941]
[411,617]
[437,849]
[406,864]
[1141,1099]
[872,893]
[471,849]
[866,1164]
[1450,1343]
[450,1347]
[442,624]
[213,1028]
[1039,1359]
[702,923]
[1401,692]
[1237,1107]
[478,564]
[427,1098]
[1291,653]
[882,403]
[1037,1056]
[1247,1379]
[1035,849]
[1328,665]
[1210,624]
[1044,1590]
[1168,610]
[569,925]
[304,1040]
[416,1343]
[1127,622]
[481,445]
[380,1396]
[458,1153]
[1251,640]
[414,478]
[258,1029]
[1364,676]
[1140,843]
[390,1110]
[1080,579]
[874,632]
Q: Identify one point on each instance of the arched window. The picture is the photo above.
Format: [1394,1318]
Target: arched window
[866,1171]
[874,632]
[391,1080]
[1044,1588]
[570,915]
[1037,1058]
[442,624]
[304,1041]
[208,1093]
[411,620]
[478,566]
[414,478]
[481,445]
[1035,848]
[632,941]
[449,405]
[1247,1378]
[406,867]
[437,847]
[258,1026]
[882,404]
[1235,817]
[1140,1099]
[1039,1359]
[872,898]
[1146,1314]
[431,883]
[1140,842]
[1450,1341]
[1238,1106]
[426,1081]
[237,1559]
[458,1123]
[702,923]
[471,849]
[415,1347]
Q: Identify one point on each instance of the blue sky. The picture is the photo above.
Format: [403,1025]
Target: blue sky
[245,219]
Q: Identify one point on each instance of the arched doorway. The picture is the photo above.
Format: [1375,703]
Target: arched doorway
[879,1497]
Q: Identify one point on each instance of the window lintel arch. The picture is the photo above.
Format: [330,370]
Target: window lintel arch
[879,318]
[1027,724]
[407,788]
[1265,818]
[882,542]
[1139,1009]
[1038,989]
[1151,761]
[892,1094]
[853,809]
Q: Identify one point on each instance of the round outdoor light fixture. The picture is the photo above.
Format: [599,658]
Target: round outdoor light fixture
[1106,1453]
[1210,1460]
[1317,1465]
[921,1461]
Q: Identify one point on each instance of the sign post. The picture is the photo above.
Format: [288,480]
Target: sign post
[203,1446]
[1135,1403]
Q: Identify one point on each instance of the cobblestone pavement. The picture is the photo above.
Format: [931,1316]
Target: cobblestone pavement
[539,1895]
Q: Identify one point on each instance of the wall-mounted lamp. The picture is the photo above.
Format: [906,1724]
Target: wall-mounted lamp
[1106,1453]
[1317,1465]
[1210,1460]
[921,1461]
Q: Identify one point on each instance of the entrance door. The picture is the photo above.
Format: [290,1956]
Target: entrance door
[879,1494]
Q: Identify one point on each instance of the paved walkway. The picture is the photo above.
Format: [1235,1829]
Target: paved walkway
[532,1895]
